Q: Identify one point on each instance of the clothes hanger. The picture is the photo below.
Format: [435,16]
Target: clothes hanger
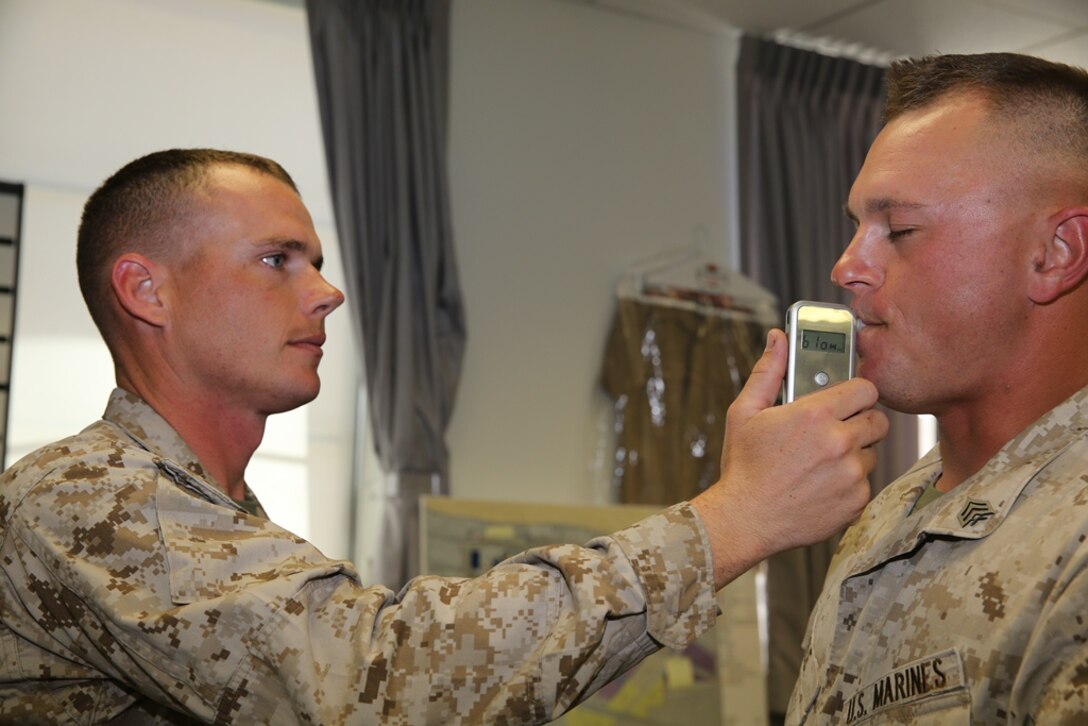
[691,277]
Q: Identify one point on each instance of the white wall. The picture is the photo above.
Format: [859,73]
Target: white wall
[582,140]
[88,85]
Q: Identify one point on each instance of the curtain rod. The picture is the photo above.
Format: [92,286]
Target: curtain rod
[836,47]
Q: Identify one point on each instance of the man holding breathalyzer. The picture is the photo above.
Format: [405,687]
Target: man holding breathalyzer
[961,594]
[142,583]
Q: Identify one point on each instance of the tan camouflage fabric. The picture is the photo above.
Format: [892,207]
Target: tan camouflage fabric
[134,590]
[973,610]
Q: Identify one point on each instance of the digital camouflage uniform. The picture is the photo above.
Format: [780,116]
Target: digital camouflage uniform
[973,609]
[132,583]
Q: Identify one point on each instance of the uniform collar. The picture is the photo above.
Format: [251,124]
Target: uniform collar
[978,506]
[150,430]
[173,456]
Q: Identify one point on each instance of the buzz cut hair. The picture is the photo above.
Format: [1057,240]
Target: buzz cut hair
[138,208]
[1044,101]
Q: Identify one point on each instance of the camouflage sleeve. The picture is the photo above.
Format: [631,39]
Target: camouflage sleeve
[228,618]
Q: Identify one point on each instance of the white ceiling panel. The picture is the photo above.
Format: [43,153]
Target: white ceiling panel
[1056,29]
[915,27]
[1073,12]
[768,15]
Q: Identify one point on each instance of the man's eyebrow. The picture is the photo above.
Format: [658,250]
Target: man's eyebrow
[878,205]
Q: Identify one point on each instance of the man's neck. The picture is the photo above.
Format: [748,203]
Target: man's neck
[223,441]
[222,437]
[970,435]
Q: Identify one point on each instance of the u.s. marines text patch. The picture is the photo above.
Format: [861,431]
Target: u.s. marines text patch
[910,685]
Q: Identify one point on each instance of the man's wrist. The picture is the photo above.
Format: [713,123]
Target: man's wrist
[735,546]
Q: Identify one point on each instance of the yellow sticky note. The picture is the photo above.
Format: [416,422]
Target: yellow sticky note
[499,532]
[679,672]
[583,717]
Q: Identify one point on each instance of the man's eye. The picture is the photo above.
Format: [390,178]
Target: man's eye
[898,234]
[277,260]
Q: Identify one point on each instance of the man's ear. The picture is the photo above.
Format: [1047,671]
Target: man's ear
[1062,264]
[136,283]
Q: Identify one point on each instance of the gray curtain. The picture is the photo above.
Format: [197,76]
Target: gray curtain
[805,123]
[382,80]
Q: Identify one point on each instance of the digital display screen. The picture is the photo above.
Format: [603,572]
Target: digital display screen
[823,341]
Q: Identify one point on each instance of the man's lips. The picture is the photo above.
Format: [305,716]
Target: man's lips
[312,343]
[866,325]
[865,319]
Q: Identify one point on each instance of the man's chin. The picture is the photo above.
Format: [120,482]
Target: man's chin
[290,400]
[868,370]
[899,400]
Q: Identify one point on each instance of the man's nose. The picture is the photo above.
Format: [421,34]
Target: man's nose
[855,268]
[324,296]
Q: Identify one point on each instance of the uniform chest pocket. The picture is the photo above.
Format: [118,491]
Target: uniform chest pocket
[214,551]
[202,543]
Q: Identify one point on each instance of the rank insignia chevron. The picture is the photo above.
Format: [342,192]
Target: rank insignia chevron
[974,512]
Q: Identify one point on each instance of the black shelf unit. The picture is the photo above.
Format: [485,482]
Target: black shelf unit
[11,223]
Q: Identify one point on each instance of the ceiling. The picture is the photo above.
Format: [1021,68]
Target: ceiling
[879,30]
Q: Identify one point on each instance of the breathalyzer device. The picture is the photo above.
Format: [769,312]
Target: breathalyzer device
[821,342]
